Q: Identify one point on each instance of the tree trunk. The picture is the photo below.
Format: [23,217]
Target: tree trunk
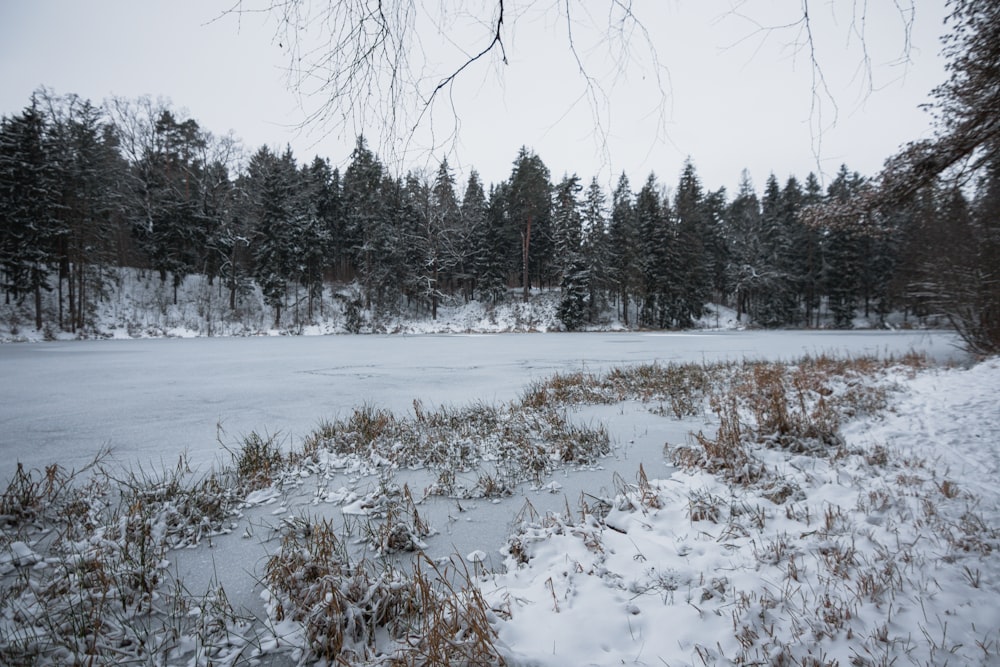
[434,295]
[525,248]
[73,270]
[38,300]
[79,297]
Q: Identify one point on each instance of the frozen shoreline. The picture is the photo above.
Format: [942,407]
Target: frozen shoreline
[152,400]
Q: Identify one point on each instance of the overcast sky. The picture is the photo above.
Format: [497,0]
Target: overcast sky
[729,95]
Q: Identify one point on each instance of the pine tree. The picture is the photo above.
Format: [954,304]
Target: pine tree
[86,169]
[176,232]
[529,209]
[625,244]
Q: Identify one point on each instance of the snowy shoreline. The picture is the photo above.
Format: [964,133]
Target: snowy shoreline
[884,542]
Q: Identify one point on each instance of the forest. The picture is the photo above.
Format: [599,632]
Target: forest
[87,188]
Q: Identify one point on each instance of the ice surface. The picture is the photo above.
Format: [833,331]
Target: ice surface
[152,400]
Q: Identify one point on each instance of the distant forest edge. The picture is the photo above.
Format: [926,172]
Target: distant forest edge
[89,194]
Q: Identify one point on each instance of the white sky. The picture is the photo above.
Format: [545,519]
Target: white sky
[735,98]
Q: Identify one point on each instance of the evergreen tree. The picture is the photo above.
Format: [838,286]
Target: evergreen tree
[746,272]
[492,258]
[315,207]
[86,169]
[421,251]
[474,221]
[842,251]
[28,222]
[367,227]
[689,283]
[567,232]
[625,245]
[656,255]
[446,232]
[979,321]
[718,249]
[529,209]
[809,252]
[275,243]
[567,223]
[596,250]
[776,292]
[174,232]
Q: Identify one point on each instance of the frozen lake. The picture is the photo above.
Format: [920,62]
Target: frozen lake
[150,400]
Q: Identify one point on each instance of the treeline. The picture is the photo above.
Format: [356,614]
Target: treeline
[133,183]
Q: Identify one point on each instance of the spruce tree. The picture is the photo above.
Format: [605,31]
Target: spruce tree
[842,248]
[776,301]
[690,282]
[656,255]
[567,234]
[493,257]
[28,222]
[625,245]
[746,273]
[447,234]
[718,247]
[365,216]
[596,250]
[275,244]
[474,220]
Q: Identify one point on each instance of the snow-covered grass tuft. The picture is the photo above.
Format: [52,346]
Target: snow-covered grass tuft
[358,611]
[87,581]
[519,442]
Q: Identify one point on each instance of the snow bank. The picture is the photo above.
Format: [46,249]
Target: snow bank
[888,551]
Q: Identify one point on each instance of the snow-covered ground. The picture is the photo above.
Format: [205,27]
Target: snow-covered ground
[884,551]
[886,554]
[137,305]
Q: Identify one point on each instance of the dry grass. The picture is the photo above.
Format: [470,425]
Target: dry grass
[680,386]
[522,443]
[433,616]
[99,591]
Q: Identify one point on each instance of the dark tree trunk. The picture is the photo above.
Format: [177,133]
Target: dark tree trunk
[525,250]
